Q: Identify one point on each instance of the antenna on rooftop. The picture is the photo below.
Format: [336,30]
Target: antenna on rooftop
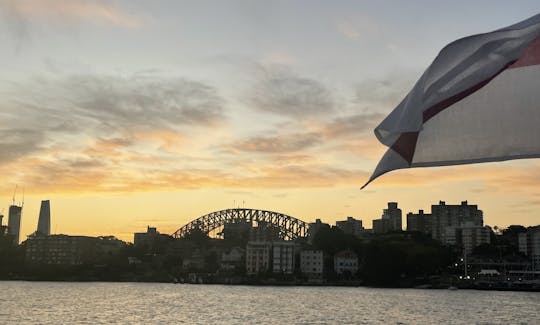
[22,203]
[14,192]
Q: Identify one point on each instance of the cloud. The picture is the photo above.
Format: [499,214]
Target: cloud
[518,179]
[165,139]
[360,148]
[141,103]
[278,144]
[16,143]
[383,94]
[107,149]
[342,134]
[126,172]
[279,91]
[354,124]
[362,28]
[84,163]
[348,30]
[279,57]
[105,133]
[102,133]
[79,117]
[24,11]
[300,176]
[25,20]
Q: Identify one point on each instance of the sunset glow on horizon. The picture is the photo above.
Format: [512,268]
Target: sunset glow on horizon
[133,113]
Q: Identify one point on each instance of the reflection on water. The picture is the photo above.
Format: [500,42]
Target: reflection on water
[100,303]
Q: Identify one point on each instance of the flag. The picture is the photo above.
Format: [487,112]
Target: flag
[479,101]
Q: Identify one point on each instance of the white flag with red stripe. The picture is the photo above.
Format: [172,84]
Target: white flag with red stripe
[479,101]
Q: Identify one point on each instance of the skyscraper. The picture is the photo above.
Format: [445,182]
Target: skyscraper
[419,222]
[14,222]
[351,226]
[446,218]
[393,215]
[44,221]
[390,220]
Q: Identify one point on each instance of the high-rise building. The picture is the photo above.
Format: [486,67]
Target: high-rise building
[283,257]
[312,263]
[14,222]
[469,236]
[445,219]
[44,221]
[380,226]
[420,222]
[529,244]
[314,228]
[390,220]
[3,229]
[145,238]
[150,239]
[257,257]
[393,214]
[351,226]
[69,250]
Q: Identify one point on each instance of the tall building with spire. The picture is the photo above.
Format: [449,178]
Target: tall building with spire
[14,222]
[44,221]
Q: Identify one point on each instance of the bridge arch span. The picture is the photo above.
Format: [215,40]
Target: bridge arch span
[290,227]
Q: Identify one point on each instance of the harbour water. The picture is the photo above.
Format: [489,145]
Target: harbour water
[161,303]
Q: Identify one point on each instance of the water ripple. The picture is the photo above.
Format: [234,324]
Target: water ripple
[157,303]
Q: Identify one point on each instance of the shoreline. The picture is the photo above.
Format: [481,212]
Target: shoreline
[292,284]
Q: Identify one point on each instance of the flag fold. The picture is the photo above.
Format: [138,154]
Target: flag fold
[479,101]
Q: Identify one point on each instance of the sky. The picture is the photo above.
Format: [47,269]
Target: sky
[133,113]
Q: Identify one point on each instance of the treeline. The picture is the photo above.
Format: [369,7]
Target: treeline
[392,259]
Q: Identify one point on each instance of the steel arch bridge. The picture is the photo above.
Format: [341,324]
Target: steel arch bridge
[289,227]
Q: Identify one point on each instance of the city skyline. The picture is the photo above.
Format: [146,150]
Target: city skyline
[396,219]
[126,114]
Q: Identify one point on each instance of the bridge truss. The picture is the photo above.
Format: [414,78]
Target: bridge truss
[290,228]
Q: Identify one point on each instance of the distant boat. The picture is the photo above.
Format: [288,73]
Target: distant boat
[452,288]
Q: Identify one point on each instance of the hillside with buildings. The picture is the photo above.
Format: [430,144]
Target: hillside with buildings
[449,246]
